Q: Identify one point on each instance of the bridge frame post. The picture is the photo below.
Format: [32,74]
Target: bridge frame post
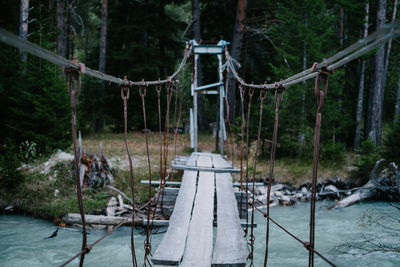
[218,50]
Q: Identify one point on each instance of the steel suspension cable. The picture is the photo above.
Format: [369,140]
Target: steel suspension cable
[278,98]
[90,246]
[320,94]
[389,31]
[251,93]
[147,244]
[162,171]
[169,90]
[158,90]
[74,75]
[179,110]
[231,142]
[125,92]
[305,244]
[242,91]
[263,94]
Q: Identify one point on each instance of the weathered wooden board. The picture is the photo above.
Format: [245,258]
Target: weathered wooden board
[199,244]
[172,183]
[230,247]
[219,162]
[172,246]
[205,169]
[192,160]
[204,160]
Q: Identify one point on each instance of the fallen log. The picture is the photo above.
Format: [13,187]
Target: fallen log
[386,183]
[75,218]
[119,192]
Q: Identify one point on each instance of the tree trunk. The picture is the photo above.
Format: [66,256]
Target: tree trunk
[377,91]
[62,37]
[201,118]
[397,107]
[360,99]
[102,65]
[23,23]
[389,46]
[341,26]
[302,136]
[387,184]
[236,48]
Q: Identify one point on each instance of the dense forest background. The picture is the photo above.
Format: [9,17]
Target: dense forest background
[145,39]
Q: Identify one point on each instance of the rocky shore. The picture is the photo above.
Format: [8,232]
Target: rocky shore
[283,194]
[382,185]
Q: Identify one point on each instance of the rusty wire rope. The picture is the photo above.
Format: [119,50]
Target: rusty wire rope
[278,98]
[320,94]
[231,138]
[125,88]
[251,93]
[169,90]
[305,244]
[242,91]
[344,56]
[125,92]
[147,243]
[179,110]
[263,94]
[163,147]
[73,75]
[321,77]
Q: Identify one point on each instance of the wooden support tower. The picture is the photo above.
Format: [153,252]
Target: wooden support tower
[218,50]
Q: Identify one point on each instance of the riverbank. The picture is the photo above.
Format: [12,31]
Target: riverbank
[48,189]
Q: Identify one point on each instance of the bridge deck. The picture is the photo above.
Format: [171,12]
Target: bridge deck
[189,238]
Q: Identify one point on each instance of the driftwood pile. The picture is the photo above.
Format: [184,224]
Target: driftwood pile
[94,171]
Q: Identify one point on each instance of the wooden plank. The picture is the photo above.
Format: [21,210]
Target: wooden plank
[230,246]
[219,162]
[172,246]
[157,183]
[199,244]
[172,183]
[204,169]
[204,161]
[192,160]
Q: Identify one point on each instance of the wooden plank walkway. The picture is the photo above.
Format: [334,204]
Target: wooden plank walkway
[171,248]
[199,242]
[189,238]
[230,247]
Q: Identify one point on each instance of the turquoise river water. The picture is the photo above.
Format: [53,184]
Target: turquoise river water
[22,240]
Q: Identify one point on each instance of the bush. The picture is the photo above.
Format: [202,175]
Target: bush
[332,153]
[391,144]
[10,176]
[368,156]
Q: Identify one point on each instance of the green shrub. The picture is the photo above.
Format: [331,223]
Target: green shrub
[10,176]
[368,156]
[332,153]
[391,144]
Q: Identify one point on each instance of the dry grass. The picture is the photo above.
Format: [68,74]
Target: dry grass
[290,171]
